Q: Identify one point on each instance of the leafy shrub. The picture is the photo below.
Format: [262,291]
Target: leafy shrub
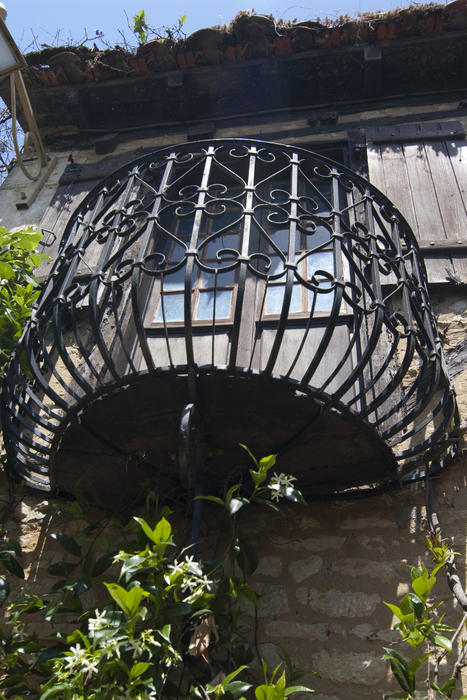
[169,626]
[18,288]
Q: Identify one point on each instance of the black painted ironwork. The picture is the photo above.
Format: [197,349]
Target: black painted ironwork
[245,259]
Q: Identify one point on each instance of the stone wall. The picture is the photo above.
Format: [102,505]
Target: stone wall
[325,569]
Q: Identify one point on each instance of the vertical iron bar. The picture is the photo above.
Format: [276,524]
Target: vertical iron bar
[248,213]
[147,241]
[290,265]
[192,253]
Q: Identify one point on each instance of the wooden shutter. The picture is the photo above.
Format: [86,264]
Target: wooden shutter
[77,180]
[422,168]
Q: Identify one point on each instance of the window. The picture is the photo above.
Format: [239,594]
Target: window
[214,273]
[313,253]
[219,221]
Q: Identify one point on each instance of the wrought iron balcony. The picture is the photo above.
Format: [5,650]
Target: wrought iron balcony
[267,291]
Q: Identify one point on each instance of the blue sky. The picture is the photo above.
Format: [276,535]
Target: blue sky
[55,21]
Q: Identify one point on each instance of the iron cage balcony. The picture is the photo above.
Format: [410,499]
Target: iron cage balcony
[269,288]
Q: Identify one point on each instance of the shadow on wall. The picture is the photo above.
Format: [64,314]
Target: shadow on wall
[324,571]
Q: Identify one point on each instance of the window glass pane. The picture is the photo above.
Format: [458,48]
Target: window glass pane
[315,234]
[275,297]
[224,279]
[185,225]
[277,265]
[173,307]
[205,310]
[218,243]
[176,252]
[174,280]
[226,218]
[324,260]
[281,239]
[321,196]
[324,302]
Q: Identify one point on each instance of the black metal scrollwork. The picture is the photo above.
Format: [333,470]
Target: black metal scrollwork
[235,235]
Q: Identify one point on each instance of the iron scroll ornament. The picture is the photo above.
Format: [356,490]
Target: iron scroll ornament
[220,259]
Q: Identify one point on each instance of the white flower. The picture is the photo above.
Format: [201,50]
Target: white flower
[138,650]
[279,484]
[275,492]
[90,665]
[283,480]
[96,623]
[148,638]
[75,657]
[111,646]
[205,583]
[189,585]
[176,567]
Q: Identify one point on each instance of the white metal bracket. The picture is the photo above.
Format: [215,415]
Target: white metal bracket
[30,192]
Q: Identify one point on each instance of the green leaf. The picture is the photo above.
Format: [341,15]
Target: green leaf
[68,543]
[56,690]
[237,688]
[258,477]
[71,603]
[294,495]
[233,674]
[146,528]
[264,692]
[102,564]
[230,493]
[400,669]
[396,610]
[441,641]
[61,568]
[4,590]
[162,531]
[246,594]
[247,558]
[422,585]
[414,664]
[214,499]
[88,563]
[247,449]
[12,565]
[128,601]
[138,669]
[415,573]
[266,503]
[165,632]
[6,271]
[266,463]
[416,604]
[237,503]
[160,534]
[82,586]
[449,686]
[297,689]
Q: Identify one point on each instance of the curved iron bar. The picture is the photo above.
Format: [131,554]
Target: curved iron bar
[292,241]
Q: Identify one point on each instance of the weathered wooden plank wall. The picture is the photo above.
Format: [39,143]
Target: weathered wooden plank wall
[427,182]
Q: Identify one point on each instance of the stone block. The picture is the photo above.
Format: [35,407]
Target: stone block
[384,570]
[273,600]
[303,568]
[269,566]
[346,667]
[299,630]
[336,603]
